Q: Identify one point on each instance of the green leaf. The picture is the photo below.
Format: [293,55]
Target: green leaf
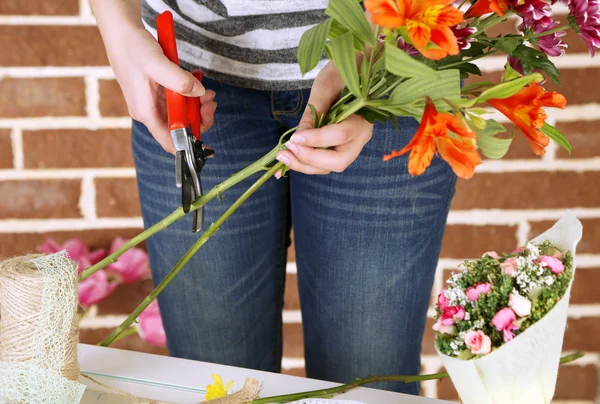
[336,29]
[399,63]
[351,16]
[532,59]
[492,147]
[313,109]
[446,86]
[311,46]
[465,354]
[510,73]
[508,88]
[555,135]
[470,68]
[476,49]
[373,114]
[365,75]
[343,55]
[508,44]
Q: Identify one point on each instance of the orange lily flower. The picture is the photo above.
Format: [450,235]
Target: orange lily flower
[459,151]
[427,22]
[525,110]
[487,6]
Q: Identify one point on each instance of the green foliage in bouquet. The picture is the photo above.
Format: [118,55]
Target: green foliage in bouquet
[496,298]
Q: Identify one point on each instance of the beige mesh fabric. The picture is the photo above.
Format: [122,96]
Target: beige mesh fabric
[39,330]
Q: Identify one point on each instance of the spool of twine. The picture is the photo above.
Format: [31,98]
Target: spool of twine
[21,313]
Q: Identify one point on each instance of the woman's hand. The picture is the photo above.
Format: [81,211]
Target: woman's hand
[141,68]
[332,147]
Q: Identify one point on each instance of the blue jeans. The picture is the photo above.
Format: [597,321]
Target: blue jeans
[367,243]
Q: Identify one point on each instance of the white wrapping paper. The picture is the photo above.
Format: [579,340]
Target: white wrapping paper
[524,370]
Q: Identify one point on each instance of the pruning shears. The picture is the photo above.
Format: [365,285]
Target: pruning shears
[185,125]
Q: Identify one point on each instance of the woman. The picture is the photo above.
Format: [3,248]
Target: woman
[367,235]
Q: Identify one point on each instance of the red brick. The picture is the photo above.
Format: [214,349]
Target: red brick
[39,7]
[589,244]
[299,372]
[428,347]
[585,286]
[465,241]
[528,190]
[12,244]
[48,45]
[24,98]
[6,155]
[112,102]
[40,199]
[446,390]
[293,341]
[581,334]
[291,298]
[130,343]
[117,197]
[77,148]
[126,298]
[575,85]
[584,137]
[577,383]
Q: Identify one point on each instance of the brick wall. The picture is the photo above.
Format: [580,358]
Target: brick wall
[66,171]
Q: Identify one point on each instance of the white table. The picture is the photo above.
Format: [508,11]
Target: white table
[183,381]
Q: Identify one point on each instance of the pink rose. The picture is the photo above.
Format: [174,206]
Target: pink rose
[491,254]
[95,288]
[555,265]
[474,292]
[132,266]
[442,300]
[452,314]
[151,327]
[478,342]
[77,251]
[509,267]
[518,250]
[519,304]
[504,321]
[444,329]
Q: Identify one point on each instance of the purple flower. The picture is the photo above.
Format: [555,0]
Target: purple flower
[532,11]
[550,44]
[462,35]
[406,47]
[585,19]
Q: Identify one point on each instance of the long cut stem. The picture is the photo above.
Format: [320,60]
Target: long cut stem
[190,253]
[373,379]
[253,168]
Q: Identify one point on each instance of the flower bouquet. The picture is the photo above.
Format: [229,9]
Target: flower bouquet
[500,322]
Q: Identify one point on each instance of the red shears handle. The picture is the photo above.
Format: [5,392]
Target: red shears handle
[193,110]
[176,103]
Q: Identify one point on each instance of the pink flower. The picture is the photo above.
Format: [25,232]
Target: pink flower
[555,265]
[478,342]
[491,254]
[509,267]
[444,329]
[442,301]
[452,314]
[585,19]
[132,266]
[474,292]
[519,304]
[151,327]
[504,321]
[77,251]
[462,36]
[96,288]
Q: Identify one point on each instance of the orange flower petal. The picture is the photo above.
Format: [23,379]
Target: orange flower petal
[446,43]
[462,160]
[487,6]
[419,33]
[387,13]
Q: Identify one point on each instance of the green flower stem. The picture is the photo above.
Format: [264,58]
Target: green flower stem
[190,253]
[127,333]
[218,190]
[373,379]
[549,32]
[449,65]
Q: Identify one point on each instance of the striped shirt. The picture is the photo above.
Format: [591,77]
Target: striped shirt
[247,43]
